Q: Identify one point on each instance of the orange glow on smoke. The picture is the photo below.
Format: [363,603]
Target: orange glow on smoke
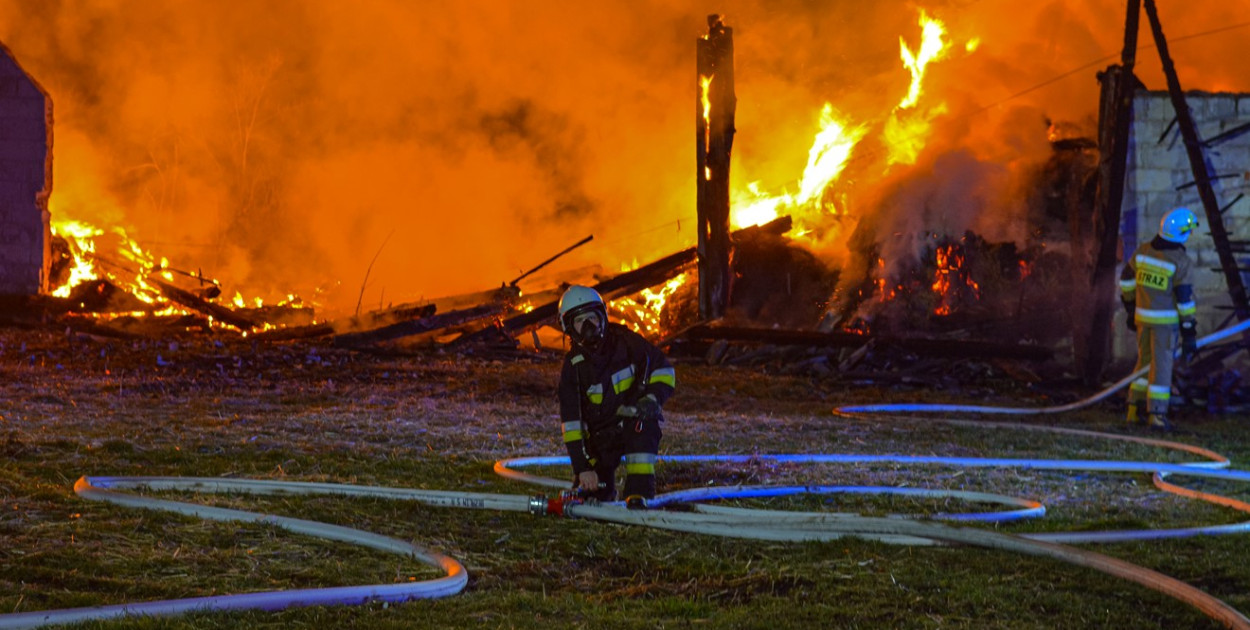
[277,145]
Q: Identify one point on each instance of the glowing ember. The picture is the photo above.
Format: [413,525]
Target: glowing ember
[641,311]
[79,236]
[98,254]
[949,277]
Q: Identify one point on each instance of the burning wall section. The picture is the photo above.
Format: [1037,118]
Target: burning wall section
[1159,178]
[25,180]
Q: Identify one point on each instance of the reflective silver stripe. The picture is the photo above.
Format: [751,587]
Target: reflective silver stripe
[1128,285]
[640,464]
[1151,261]
[1187,308]
[1159,392]
[1157,316]
[667,375]
[576,359]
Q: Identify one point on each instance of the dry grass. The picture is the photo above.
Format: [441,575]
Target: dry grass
[206,407]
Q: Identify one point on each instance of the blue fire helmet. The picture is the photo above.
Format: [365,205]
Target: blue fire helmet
[1177,225]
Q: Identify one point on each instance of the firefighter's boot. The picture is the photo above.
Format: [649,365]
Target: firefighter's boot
[1159,422]
[1134,414]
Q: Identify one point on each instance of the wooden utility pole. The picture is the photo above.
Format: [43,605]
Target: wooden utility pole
[715,104]
[1202,177]
[1114,117]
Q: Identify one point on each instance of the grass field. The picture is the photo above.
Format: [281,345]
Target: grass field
[72,406]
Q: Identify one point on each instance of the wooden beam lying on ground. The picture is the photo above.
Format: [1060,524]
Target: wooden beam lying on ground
[200,305]
[368,321]
[947,348]
[418,326]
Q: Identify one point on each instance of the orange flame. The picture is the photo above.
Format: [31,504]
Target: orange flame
[950,262]
[826,159]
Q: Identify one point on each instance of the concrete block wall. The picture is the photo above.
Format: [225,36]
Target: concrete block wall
[25,180]
[1160,178]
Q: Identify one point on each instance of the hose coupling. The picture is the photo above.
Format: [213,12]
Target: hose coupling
[539,505]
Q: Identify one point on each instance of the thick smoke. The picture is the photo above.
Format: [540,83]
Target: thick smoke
[281,145]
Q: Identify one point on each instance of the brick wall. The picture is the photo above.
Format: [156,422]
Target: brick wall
[1159,178]
[25,180]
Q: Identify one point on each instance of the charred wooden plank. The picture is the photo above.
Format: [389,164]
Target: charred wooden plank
[418,326]
[198,304]
[949,348]
[368,321]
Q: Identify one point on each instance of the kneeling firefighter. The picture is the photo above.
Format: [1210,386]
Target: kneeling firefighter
[1156,291]
[612,386]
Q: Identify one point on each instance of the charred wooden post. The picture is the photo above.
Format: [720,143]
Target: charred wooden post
[1115,116]
[1197,162]
[715,103]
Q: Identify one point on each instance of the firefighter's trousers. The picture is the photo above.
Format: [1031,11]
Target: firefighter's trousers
[638,442]
[1156,345]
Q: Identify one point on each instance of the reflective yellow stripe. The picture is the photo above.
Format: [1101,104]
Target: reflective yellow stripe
[640,469]
[623,379]
[640,464]
[667,376]
[1139,385]
[1128,286]
[595,393]
[1159,392]
[1157,316]
[573,430]
[1187,308]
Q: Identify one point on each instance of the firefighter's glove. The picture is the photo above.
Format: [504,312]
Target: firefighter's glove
[648,408]
[587,481]
[1189,340]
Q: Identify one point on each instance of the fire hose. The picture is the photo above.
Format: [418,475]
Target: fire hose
[1203,342]
[702,519]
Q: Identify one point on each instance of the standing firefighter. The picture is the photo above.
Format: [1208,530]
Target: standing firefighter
[1157,294]
[611,388]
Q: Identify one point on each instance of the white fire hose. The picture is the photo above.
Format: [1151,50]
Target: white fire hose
[705,519]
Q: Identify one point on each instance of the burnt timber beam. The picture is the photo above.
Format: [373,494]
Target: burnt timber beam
[198,304]
[419,326]
[371,320]
[948,348]
[1197,162]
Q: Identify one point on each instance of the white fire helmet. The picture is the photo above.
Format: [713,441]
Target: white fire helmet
[1176,225]
[576,301]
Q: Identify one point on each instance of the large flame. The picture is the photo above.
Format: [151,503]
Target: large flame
[906,129]
[272,147]
[826,159]
[931,48]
